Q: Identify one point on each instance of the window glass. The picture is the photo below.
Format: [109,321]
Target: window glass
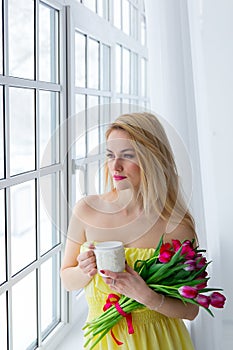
[3,321]
[48,43]
[50,298]
[49,119]
[143,77]
[126,70]
[103,9]
[23,225]
[92,125]
[134,75]
[24,313]
[143,30]
[93,64]
[134,22]
[49,215]
[1,61]
[91,4]
[80,121]
[80,183]
[126,16]
[80,59]
[2,238]
[117,14]
[93,177]
[1,135]
[105,71]
[22,132]
[118,68]
[21,38]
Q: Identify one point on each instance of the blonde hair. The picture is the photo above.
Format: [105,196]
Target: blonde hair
[159,188]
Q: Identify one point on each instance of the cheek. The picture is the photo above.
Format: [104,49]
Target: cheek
[135,169]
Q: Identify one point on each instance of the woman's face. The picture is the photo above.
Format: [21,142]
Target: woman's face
[122,160]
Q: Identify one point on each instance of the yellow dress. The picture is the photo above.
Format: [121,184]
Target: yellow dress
[152,330]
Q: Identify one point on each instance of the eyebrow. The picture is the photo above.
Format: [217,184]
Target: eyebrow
[123,150]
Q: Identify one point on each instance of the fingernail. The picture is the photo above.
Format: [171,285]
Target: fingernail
[102,271]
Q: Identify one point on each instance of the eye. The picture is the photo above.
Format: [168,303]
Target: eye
[110,155]
[129,156]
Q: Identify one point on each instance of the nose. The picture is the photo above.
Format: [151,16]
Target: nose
[117,164]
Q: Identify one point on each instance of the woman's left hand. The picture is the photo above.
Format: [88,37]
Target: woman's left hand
[128,283]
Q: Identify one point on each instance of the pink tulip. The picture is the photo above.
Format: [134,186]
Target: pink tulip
[203,300]
[201,285]
[190,265]
[188,292]
[187,250]
[217,300]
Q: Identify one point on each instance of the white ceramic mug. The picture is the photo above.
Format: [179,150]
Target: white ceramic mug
[110,255]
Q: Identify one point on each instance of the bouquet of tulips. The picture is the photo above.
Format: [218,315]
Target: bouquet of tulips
[176,270]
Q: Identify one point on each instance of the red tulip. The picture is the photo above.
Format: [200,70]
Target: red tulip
[188,292]
[176,244]
[187,250]
[203,300]
[201,285]
[201,262]
[165,256]
[217,300]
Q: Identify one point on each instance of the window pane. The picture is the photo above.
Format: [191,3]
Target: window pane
[118,68]
[80,124]
[1,135]
[134,22]
[92,125]
[143,77]
[49,212]
[48,43]
[126,70]
[1,67]
[22,133]
[126,16]
[24,312]
[21,38]
[143,30]
[50,299]
[3,321]
[23,225]
[80,60]
[2,239]
[49,119]
[134,74]
[117,14]
[105,71]
[80,182]
[93,64]
[103,9]
[93,178]
[91,4]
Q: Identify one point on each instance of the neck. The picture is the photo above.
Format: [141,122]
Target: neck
[126,200]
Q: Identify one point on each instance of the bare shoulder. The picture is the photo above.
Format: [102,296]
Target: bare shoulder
[182,232]
[85,204]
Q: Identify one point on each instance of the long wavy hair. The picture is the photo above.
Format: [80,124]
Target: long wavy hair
[159,188]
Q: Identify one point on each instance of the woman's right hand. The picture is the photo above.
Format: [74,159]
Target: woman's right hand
[87,263]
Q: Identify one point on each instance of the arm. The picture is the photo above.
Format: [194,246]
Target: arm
[77,268]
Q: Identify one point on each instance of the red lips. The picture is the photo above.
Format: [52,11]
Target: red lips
[118,177]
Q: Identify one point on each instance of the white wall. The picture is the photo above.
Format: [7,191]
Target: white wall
[191,55]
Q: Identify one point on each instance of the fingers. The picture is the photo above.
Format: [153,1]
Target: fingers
[87,263]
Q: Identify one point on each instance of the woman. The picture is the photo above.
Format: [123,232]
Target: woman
[143,204]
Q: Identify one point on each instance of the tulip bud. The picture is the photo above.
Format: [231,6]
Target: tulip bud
[203,300]
[188,292]
[217,300]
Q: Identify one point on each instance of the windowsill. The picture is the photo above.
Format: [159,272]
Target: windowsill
[73,340]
